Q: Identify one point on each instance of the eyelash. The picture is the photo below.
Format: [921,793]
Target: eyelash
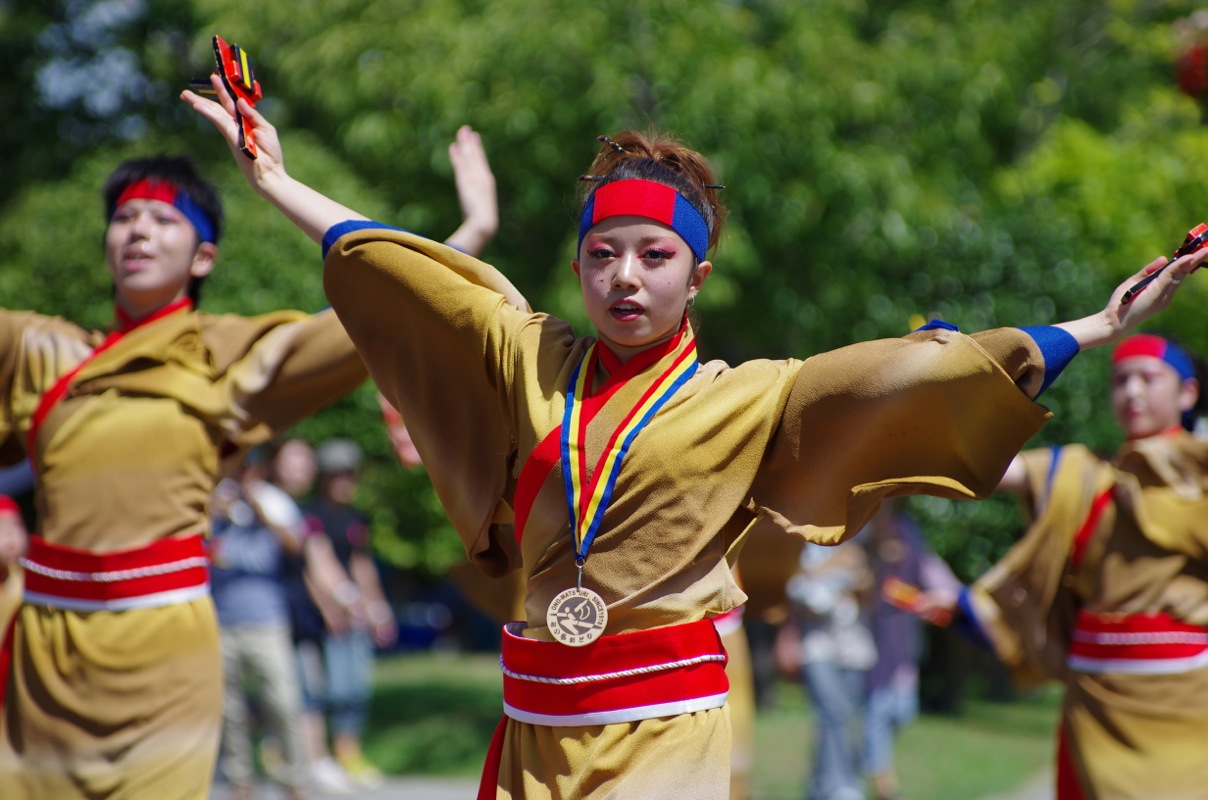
[161,219]
[653,254]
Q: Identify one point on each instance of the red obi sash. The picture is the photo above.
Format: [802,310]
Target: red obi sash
[626,677]
[165,572]
[1136,644]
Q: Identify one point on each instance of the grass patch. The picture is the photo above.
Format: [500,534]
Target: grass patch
[990,749]
[434,714]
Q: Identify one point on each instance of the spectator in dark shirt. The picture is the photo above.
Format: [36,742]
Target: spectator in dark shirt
[360,618]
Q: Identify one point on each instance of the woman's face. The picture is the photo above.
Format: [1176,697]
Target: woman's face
[152,253]
[294,467]
[637,276]
[1149,397]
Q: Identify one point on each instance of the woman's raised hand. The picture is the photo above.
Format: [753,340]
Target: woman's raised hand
[313,212]
[1117,319]
[270,163]
[475,192]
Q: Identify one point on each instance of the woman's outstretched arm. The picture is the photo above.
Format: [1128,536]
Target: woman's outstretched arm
[313,212]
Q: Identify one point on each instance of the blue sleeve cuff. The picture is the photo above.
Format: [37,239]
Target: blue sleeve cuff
[340,229]
[1058,348]
[936,324]
[966,622]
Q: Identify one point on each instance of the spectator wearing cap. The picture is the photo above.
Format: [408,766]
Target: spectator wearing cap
[360,618]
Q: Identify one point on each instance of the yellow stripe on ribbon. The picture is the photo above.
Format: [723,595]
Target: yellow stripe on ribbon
[588,498]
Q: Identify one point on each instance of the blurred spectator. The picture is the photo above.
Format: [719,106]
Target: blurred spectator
[310,580]
[914,585]
[17,480]
[293,468]
[255,525]
[360,618]
[830,597]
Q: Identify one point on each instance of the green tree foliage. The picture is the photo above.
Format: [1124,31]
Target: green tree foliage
[987,162]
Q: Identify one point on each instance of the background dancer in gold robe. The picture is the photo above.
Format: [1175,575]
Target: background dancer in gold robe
[1108,590]
[115,688]
[508,409]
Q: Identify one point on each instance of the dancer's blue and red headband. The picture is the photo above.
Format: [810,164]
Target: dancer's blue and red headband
[170,193]
[650,199]
[1149,345]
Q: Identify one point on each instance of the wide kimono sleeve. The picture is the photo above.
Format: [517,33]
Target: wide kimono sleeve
[280,368]
[35,350]
[936,412]
[438,331]
[1025,606]
[11,325]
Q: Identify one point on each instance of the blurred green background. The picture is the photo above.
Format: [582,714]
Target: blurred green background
[989,162]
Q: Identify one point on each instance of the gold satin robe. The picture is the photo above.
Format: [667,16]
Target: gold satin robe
[810,447]
[1129,737]
[128,704]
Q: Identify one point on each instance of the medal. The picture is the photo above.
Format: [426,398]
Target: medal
[578,616]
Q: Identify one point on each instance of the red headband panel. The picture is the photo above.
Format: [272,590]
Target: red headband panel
[639,198]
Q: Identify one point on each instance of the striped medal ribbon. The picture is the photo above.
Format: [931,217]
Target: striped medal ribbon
[578,616]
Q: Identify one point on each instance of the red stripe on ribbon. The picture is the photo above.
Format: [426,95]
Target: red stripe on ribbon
[611,654]
[546,454]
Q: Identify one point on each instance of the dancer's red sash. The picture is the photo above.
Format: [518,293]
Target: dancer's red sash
[620,678]
[1136,644]
[165,572]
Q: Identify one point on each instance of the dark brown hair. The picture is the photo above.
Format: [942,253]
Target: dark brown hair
[655,156]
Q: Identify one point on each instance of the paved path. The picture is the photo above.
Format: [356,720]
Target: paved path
[395,788]
[1039,787]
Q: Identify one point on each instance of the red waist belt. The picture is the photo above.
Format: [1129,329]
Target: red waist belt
[1136,644]
[621,678]
[165,572]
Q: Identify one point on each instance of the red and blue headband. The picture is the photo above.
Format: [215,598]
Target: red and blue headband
[1146,344]
[170,193]
[650,199]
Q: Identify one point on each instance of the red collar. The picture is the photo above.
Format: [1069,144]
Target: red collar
[127,323]
[621,370]
[1170,433]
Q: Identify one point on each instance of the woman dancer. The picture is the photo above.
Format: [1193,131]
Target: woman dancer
[630,470]
[1108,590]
